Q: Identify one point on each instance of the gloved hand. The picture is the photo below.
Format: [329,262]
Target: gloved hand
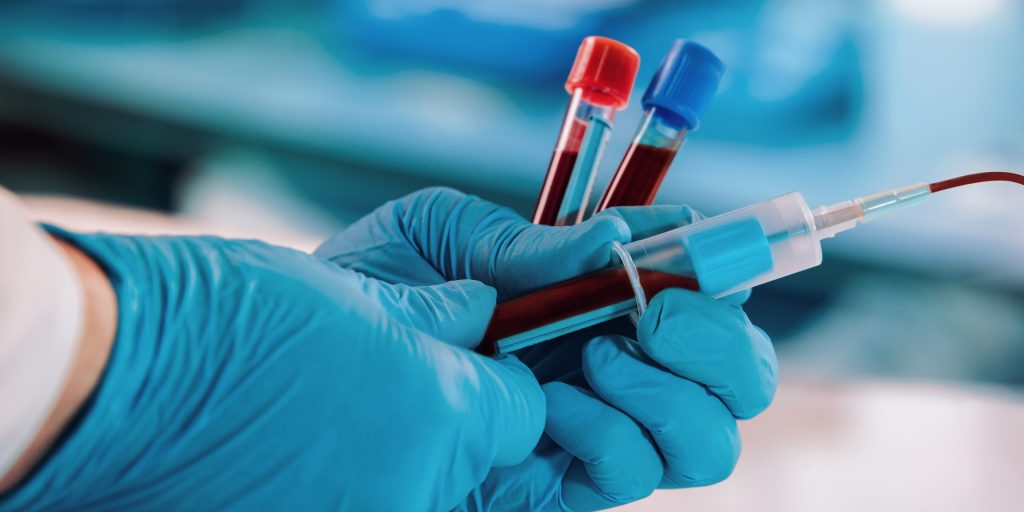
[251,377]
[624,417]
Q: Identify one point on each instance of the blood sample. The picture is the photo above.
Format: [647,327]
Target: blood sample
[674,102]
[600,83]
[647,166]
[608,289]
[563,161]
[709,261]
[981,177]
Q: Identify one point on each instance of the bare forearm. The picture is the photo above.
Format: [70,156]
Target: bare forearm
[99,329]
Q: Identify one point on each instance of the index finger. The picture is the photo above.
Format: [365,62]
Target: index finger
[707,341]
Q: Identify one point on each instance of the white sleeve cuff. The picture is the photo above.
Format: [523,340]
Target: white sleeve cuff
[41,315]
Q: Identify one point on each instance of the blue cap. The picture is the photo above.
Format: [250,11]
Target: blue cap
[726,256]
[686,82]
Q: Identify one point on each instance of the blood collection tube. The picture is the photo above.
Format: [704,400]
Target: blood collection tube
[673,104]
[599,83]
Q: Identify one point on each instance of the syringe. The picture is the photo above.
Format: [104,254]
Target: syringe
[718,256]
[600,83]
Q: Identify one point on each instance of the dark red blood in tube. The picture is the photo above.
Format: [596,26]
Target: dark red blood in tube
[572,298]
[980,177]
[553,191]
[638,178]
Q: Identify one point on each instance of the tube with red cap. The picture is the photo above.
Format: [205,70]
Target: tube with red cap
[675,100]
[600,83]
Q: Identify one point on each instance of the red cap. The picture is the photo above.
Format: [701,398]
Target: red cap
[605,69]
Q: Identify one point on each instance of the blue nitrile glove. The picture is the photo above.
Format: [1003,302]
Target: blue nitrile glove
[623,417]
[251,377]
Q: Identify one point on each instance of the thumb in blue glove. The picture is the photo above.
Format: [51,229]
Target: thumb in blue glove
[439,234]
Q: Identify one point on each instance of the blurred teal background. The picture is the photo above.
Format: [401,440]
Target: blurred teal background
[305,115]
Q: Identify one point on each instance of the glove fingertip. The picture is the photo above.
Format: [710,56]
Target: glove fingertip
[737,299]
[476,302]
[646,221]
[597,239]
[660,306]
[456,312]
[609,228]
[674,300]
[476,294]
[607,363]
[602,350]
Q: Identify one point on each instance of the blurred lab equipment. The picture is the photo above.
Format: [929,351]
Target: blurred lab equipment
[525,40]
[599,84]
[131,16]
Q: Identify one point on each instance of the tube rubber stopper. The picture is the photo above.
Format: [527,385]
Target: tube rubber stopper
[605,69]
[686,82]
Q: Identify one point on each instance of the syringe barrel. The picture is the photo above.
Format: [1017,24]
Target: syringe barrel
[716,256]
[734,251]
[839,217]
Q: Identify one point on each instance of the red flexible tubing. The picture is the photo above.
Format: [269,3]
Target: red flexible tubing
[980,177]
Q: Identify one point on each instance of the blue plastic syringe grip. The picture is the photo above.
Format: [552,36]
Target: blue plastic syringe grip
[734,251]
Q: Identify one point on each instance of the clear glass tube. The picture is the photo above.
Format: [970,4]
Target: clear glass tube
[570,177]
[643,168]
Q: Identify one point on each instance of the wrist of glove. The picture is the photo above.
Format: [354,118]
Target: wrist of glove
[252,377]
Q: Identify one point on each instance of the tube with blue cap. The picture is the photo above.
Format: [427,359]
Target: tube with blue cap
[674,103]
[718,256]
